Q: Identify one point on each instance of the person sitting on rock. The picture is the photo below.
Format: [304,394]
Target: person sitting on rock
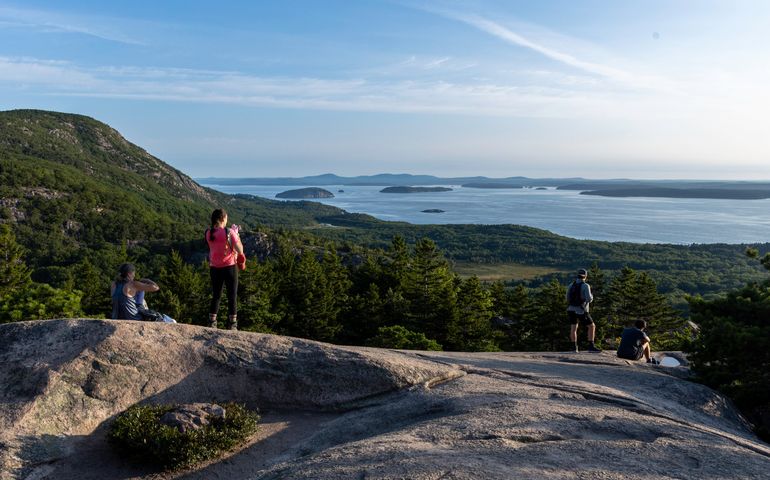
[635,344]
[124,291]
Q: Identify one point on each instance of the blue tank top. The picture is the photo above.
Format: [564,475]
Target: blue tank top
[124,307]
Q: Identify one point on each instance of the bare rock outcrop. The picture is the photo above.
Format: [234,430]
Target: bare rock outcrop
[349,413]
[64,378]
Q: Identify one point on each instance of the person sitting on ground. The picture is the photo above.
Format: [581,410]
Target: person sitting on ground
[124,292]
[635,344]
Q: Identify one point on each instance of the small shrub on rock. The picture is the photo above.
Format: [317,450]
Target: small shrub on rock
[139,432]
[400,337]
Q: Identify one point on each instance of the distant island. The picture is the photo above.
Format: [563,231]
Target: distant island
[310,192]
[664,192]
[491,185]
[433,210]
[618,187]
[406,189]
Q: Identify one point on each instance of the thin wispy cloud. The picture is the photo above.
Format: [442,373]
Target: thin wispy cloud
[54,22]
[618,76]
[356,94]
[512,37]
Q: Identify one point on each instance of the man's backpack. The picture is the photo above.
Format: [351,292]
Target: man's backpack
[575,295]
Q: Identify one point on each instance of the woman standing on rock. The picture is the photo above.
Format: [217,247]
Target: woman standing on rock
[225,254]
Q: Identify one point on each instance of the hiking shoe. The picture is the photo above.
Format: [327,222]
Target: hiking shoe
[653,361]
[232,326]
[592,348]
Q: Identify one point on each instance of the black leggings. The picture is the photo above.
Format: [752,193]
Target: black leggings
[224,276]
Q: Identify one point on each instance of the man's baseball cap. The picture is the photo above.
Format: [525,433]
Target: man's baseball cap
[582,272]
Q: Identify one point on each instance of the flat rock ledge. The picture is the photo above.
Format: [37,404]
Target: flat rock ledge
[334,412]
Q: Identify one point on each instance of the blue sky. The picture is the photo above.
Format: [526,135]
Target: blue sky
[599,89]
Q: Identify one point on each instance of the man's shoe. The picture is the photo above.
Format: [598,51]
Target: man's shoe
[592,348]
[653,361]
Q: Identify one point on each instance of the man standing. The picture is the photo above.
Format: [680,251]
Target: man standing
[635,344]
[579,298]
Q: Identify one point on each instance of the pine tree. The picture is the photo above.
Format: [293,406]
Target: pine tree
[258,297]
[634,296]
[732,350]
[622,294]
[667,329]
[95,287]
[430,289]
[397,265]
[14,273]
[470,330]
[600,307]
[310,304]
[521,315]
[515,308]
[549,330]
[183,293]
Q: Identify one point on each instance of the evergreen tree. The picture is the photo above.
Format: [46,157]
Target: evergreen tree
[666,328]
[430,289]
[397,265]
[470,330]
[258,297]
[634,296]
[183,293]
[310,305]
[600,307]
[622,294]
[515,307]
[550,330]
[364,317]
[521,315]
[14,273]
[732,350]
[395,308]
[95,287]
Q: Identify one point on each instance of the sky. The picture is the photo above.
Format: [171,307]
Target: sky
[547,88]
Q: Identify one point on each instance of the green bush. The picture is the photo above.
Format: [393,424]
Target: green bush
[402,338]
[137,432]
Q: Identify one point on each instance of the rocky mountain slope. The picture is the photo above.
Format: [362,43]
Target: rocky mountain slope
[342,412]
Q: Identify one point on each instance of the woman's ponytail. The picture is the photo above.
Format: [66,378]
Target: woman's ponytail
[217,216]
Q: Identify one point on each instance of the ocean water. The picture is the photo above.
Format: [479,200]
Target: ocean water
[565,212]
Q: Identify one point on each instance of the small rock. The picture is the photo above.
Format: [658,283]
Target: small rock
[192,416]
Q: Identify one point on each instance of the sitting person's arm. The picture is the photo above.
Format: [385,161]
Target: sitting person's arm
[145,285]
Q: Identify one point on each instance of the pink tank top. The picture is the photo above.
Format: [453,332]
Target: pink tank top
[220,253]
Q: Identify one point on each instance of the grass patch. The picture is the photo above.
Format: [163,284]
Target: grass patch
[138,433]
[490,272]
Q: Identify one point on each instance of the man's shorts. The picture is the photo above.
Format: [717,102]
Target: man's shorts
[638,353]
[581,318]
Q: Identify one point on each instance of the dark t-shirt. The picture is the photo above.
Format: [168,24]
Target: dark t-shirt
[631,343]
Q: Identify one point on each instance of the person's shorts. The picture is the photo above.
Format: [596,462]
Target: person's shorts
[581,318]
[636,356]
